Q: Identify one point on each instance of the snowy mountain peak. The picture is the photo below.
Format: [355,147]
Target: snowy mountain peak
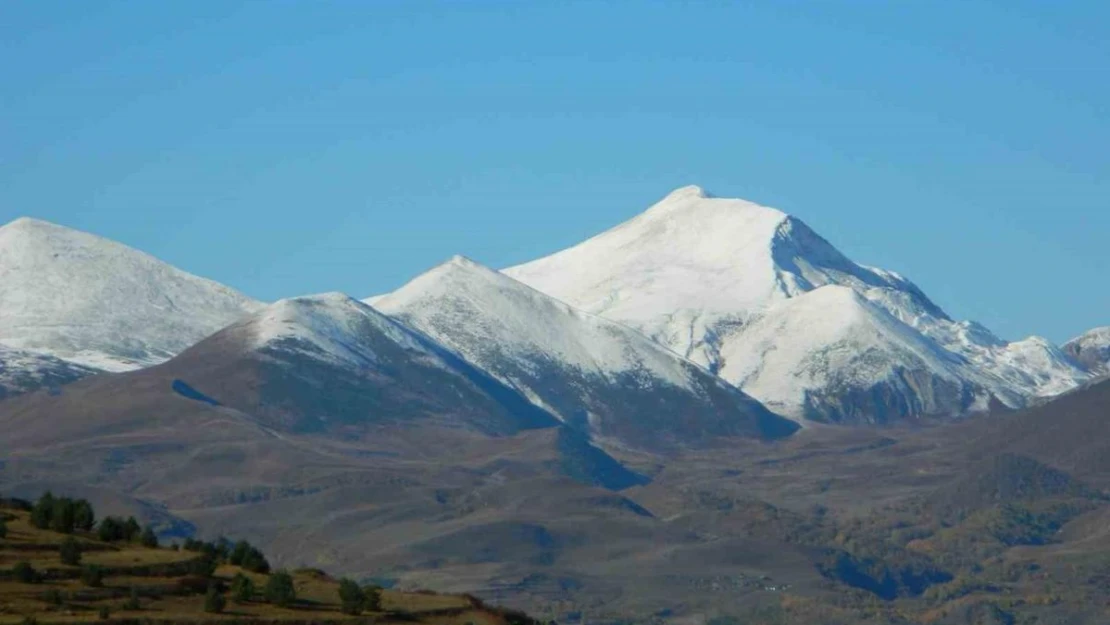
[594,374]
[329,324]
[95,302]
[688,191]
[695,273]
[1092,350]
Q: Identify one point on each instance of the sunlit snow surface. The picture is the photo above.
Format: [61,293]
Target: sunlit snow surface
[751,293]
[100,304]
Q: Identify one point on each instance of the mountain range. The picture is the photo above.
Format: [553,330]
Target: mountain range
[664,420]
[704,303]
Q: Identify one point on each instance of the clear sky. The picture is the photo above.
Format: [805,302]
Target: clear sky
[286,148]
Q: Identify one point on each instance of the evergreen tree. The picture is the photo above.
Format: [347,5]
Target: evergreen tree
[92,576]
[242,588]
[63,519]
[132,602]
[104,613]
[373,599]
[239,552]
[24,573]
[84,517]
[131,529]
[148,538]
[255,562]
[70,552]
[110,529]
[280,590]
[3,527]
[42,511]
[351,597]
[214,602]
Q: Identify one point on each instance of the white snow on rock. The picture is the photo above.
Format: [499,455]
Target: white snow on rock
[483,314]
[333,327]
[100,304]
[698,273]
[1092,350]
[592,373]
[23,371]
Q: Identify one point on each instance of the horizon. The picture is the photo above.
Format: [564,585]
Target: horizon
[283,150]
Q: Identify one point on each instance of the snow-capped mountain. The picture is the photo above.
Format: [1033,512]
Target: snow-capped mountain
[1092,350]
[100,304]
[595,375]
[23,371]
[714,280]
[329,363]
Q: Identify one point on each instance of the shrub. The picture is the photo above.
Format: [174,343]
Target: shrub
[351,597]
[43,511]
[24,573]
[203,566]
[242,588]
[84,518]
[54,597]
[132,602]
[64,517]
[148,538]
[214,602]
[355,599]
[104,613]
[3,527]
[280,590]
[110,529]
[70,552]
[92,576]
[131,529]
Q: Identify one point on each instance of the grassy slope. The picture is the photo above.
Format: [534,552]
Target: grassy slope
[165,599]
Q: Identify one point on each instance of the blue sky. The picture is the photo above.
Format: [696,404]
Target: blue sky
[293,147]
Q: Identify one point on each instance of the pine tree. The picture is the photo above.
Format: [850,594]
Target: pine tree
[43,510]
[24,573]
[3,527]
[131,529]
[351,597]
[84,518]
[280,590]
[148,538]
[70,552]
[214,602]
[242,588]
[92,576]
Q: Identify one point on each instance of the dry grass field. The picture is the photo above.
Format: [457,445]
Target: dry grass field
[168,593]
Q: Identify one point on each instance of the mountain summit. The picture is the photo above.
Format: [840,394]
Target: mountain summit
[725,283]
[100,304]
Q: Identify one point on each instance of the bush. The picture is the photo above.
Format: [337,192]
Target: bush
[64,517]
[92,576]
[355,600]
[104,613]
[242,588]
[131,529]
[110,529]
[148,538]
[84,518]
[280,590]
[3,527]
[203,566]
[43,511]
[24,573]
[255,562]
[132,602]
[54,597]
[70,552]
[214,602]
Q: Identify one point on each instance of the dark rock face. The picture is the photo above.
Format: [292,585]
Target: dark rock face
[909,394]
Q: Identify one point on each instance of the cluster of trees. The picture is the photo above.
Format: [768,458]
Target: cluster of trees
[355,599]
[68,516]
[62,514]
[241,553]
